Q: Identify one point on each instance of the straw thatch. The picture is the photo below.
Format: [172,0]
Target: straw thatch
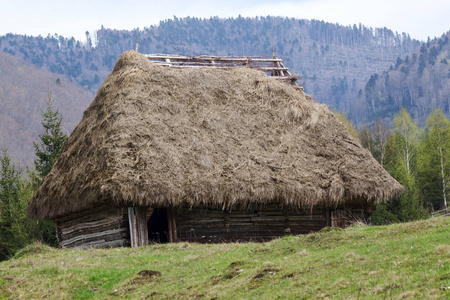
[158,136]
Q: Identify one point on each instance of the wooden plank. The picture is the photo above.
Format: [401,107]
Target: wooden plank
[210,220]
[137,219]
[106,238]
[211,58]
[273,65]
[196,65]
[90,218]
[268,69]
[90,224]
[106,235]
[92,235]
[132,224]
[306,218]
[268,219]
[142,225]
[238,224]
[91,230]
[99,212]
[110,244]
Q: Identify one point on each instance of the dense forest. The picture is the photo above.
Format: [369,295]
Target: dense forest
[419,82]
[335,61]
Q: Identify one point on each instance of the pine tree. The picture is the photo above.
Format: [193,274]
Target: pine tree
[9,197]
[16,230]
[52,140]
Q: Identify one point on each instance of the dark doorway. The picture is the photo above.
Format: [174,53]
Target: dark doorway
[158,226]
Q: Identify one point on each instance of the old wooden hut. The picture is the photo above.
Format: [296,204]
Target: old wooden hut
[205,155]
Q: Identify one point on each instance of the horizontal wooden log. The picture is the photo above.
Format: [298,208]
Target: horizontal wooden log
[104,244]
[105,238]
[256,230]
[97,235]
[307,225]
[88,239]
[90,224]
[268,219]
[193,66]
[89,215]
[211,58]
[306,218]
[238,224]
[85,231]
[201,231]
[211,220]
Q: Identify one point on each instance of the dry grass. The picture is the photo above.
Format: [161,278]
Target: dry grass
[158,136]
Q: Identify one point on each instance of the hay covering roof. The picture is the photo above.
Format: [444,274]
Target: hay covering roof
[160,136]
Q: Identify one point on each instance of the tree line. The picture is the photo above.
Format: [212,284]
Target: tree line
[418,158]
[18,185]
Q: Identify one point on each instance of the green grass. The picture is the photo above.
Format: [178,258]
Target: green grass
[402,261]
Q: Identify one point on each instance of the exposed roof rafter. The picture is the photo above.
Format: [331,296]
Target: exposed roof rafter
[272,66]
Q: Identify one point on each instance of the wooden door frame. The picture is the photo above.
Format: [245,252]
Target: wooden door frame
[172,225]
[137,220]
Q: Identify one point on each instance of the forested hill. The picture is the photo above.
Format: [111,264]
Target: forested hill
[335,61]
[420,82]
[23,92]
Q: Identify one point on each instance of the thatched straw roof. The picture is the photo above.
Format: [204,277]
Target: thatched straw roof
[160,136]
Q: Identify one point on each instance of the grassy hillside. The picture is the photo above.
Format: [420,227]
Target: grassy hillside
[404,261]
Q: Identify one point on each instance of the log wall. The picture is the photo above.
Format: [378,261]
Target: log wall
[109,226]
[210,226]
[102,227]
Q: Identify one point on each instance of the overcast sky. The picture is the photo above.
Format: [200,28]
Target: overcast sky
[419,18]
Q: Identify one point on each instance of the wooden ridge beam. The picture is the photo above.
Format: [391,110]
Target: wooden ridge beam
[272,65]
[243,59]
[186,66]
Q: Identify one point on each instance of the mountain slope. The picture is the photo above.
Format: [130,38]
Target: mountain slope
[23,92]
[420,82]
[335,61]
